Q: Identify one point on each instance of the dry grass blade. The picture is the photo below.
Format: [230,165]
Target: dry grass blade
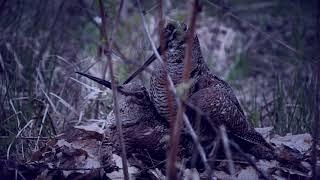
[15,112]
[42,123]
[50,101]
[86,85]
[18,134]
[197,142]
[65,103]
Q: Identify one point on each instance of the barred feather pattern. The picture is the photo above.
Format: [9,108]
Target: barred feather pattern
[221,110]
[208,92]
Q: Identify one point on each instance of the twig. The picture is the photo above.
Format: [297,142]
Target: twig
[174,139]
[49,100]
[176,125]
[42,123]
[9,147]
[213,153]
[249,160]
[190,34]
[18,124]
[171,86]
[196,141]
[31,138]
[15,112]
[154,7]
[114,85]
[65,103]
[225,142]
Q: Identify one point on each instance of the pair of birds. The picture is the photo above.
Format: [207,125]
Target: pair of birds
[210,94]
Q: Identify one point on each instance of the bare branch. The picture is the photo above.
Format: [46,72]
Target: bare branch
[188,52]
[172,88]
[225,142]
[176,125]
[236,146]
[42,123]
[114,85]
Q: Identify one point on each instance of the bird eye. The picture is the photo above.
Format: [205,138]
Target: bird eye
[139,95]
[170,27]
[184,26]
[179,60]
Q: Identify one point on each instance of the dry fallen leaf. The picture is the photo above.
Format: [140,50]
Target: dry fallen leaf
[301,142]
[247,174]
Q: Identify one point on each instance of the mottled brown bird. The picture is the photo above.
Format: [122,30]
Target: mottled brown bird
[216,104]
[143,128]
[210,94]
[175,38]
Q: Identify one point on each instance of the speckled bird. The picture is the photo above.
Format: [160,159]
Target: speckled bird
[175,38]
[143,128]
[212,95]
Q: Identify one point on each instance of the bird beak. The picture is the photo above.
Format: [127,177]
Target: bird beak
[98,80]
[107,84]
[145,65]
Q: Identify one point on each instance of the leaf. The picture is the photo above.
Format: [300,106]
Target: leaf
[191,174]
[301,142]
[248,173]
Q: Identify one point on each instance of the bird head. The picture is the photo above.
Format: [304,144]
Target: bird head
[175,34]
[134,91]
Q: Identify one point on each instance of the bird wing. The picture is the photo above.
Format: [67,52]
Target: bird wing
[217,104]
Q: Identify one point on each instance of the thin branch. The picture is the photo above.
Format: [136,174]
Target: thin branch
[190,34]
[32,138]
[196,140]
[114,85]
[174,140]
[176,125]
[249,160]
[225,142]
[15,112]
[41,127]
[65,103]
[171,86]
[10,145]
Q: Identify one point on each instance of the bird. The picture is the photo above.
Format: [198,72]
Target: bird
[220,110]
[207,92]
[143,127]
[175,38]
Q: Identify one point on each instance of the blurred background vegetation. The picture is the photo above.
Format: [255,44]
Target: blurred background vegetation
[265,49]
